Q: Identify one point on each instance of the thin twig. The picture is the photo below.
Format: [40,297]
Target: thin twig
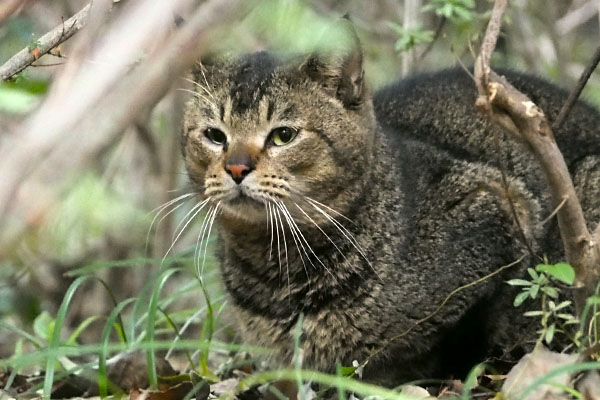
[553,213]
[436,36]
[585,76]
[441,306]
[47,42]
[487,47]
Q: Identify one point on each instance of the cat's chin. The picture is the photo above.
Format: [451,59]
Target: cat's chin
[244,209]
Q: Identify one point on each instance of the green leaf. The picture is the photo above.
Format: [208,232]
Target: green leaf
[549,334]
[408,38]
[346,371]
[550,291]
[593,300]
[519,282]
[567,317]
[532,273]
[43,326]
[456,10]
[520,298]
[533,291]
[73,338]
[563,304]
[536,313]
[561,271]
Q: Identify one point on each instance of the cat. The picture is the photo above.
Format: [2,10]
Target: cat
[354,216]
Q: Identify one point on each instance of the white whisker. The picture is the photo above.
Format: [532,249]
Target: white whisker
[278,248]
[287,264]
[299,246]
[272,233]
[347,234]
[291,219]
[330,209]
[196,94]
[212,221]
[202,205]
[200,239]
[322,231]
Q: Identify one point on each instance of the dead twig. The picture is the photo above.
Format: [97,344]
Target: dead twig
[96,102]
[44,44]
[515,112]
[574,95]
[436,36]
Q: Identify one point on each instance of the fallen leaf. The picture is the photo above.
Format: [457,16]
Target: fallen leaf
[415,392]
[533,366]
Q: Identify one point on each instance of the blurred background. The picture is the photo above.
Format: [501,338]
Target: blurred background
[89,134]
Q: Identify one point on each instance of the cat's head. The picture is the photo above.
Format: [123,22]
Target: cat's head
[262,129]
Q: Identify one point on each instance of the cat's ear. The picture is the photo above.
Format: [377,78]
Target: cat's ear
[339,67]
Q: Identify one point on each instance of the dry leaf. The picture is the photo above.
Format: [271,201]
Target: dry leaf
[533,366]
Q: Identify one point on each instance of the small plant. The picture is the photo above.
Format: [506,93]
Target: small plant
[554,317]
[454,10]
[410,37]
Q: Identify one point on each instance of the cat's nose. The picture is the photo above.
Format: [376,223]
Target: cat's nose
[238,172]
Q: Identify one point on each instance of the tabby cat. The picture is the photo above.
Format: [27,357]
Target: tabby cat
[358,215]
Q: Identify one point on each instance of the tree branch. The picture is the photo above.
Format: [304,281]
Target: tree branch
[585,75]
[90,103]
[47,42]
[514,111]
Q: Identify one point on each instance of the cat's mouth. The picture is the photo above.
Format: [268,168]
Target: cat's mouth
[241,206]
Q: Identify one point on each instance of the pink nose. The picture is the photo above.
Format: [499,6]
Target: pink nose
[237,172]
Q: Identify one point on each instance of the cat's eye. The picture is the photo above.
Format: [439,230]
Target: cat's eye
[283,135]
[215,135]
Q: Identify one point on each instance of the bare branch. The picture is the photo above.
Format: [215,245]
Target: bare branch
[98,102]
[585,75]
[438,32]
[47,42]
[514,111]
[482,64]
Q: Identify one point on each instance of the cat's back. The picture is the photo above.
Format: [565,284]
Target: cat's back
[439,108]
[438,111]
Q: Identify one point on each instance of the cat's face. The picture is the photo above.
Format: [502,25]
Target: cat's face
[260,132]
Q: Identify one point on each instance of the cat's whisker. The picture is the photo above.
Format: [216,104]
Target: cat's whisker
[322,231]
[207,85]
[198,95]
[211,223]
[163,207]
[291,219]
[278,247]
[200,240]
[330,209]
[347,234]
[185,217]
[199,207]
[287,264]
[299,247]
[205,88]
[270,217]
[172,201]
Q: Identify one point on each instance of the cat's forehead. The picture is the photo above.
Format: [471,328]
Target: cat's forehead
[248,78]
